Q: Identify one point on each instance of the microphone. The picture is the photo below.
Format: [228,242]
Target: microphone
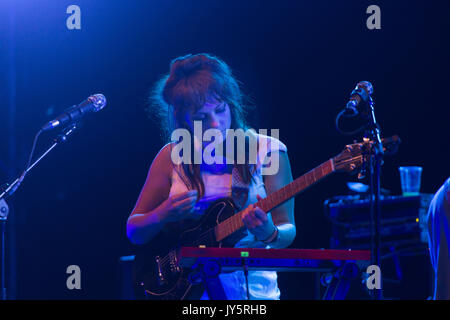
[361,93]
[94,103]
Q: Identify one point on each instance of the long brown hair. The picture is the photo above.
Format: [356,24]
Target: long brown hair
[191,81]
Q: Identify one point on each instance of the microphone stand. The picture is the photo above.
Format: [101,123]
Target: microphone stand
[62,137]
[375,160]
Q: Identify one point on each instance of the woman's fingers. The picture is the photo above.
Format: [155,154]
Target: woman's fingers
[257,222]
[258,212]
[185,207]
[260,215]
[186,202]
[182,204]
[184,195]
[251,220]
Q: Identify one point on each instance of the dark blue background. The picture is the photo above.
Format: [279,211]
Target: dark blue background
[298,61]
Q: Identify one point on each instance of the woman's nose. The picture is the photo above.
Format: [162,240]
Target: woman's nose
[214,123]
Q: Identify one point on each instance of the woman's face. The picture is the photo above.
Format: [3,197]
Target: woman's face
[214,114]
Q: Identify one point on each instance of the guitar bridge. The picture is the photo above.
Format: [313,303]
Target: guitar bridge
[173,262]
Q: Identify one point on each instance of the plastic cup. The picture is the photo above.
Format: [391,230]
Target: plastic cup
[410,180]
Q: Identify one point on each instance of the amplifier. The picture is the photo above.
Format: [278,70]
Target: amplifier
[403,220]
[406,267]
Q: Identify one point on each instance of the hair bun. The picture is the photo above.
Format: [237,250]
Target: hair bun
[190,64]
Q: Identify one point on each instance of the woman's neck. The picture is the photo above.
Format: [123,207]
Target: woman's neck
[216,168]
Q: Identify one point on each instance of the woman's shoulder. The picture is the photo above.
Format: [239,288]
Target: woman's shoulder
[163,158]
[165,152]
[267,144]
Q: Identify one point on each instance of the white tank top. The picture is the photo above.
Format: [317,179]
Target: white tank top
[262,284]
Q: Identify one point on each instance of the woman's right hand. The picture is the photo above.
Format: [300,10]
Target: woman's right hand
[179,206]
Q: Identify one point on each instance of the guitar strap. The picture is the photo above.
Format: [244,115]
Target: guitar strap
[239,189]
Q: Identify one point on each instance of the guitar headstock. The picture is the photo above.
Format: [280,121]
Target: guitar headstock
[356,155]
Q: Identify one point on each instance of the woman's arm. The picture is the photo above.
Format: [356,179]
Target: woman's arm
[145,220]
[257,221]
[282,216]
[154,207]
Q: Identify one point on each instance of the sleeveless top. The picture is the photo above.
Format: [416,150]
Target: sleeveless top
[262,284]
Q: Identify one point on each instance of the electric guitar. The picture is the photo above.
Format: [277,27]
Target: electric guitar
[158,273]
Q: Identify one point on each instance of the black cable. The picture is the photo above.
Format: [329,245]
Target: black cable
[29,159]
[24,173]
[346,133]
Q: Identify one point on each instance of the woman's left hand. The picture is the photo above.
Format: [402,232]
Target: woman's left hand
[257,222]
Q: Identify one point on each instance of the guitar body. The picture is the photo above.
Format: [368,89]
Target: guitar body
[157,274]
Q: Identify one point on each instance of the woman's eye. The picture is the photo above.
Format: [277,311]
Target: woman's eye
[220,109]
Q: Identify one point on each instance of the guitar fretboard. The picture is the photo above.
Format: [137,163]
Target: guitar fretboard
[234,223]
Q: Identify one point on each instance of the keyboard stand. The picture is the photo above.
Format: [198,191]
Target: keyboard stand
[338,283]
[207,271]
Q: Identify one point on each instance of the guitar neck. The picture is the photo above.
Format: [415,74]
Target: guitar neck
[234,223]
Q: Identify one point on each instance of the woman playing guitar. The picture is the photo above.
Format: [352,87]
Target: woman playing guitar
[201,88]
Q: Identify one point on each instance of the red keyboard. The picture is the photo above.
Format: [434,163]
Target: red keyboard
[272,259]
